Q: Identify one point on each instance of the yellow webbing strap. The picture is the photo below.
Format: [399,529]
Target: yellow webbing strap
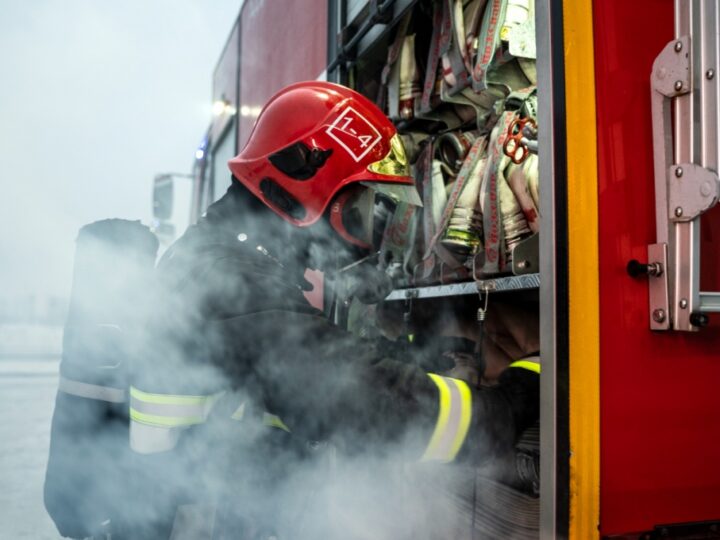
[454,415]
[530,365]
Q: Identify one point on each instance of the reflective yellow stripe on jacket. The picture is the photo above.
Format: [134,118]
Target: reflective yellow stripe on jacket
[157,419]
[454,415]
[531,364]
[167,410]
[91,391]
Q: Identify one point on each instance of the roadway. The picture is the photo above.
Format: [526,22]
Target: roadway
[27,397]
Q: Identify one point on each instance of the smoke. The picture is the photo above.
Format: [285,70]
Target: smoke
[90,113]
[96,99]
[221,318]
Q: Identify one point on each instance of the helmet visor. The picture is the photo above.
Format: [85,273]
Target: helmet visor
[395,163]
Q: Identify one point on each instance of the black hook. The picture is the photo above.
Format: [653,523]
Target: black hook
[636,269]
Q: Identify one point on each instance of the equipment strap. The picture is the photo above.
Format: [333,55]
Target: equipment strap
[439,195]
[425,177]
[433,60]
[430,191]
[489,42]
[494,237]
[91,391]
[459,53]
[468,168]
[395,48]
[393,56]
[453,423]
[431,230]
[399,235]
[452,47]
[472,17]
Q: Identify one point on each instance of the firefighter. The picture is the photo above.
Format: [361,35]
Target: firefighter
[235,350]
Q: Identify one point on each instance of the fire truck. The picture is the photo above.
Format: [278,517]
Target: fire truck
[627,144]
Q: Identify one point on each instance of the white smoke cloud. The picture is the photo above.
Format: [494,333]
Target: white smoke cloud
[96,98]
[348,469]
[93,105]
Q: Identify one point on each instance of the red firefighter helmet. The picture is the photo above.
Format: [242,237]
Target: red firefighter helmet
[311,140]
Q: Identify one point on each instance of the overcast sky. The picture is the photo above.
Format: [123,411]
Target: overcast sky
[96,97]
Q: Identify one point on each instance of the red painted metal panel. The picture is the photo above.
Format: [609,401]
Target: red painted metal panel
[226,71]
[225,82]
[282,42]
[660,393]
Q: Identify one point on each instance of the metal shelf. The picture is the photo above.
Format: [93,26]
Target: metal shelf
[500,284]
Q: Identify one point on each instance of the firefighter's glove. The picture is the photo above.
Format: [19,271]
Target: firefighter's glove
[501,413]
[366,282]
[467,366]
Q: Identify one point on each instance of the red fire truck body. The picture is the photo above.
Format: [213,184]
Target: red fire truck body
[658,405]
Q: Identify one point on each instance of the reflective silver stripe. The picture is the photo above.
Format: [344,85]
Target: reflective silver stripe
[454,415]
[91,391]
[453,423]
[148,439]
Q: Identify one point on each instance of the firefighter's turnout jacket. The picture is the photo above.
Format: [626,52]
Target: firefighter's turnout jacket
[240,375]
